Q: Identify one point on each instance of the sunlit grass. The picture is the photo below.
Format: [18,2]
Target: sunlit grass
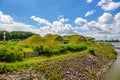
[27,49]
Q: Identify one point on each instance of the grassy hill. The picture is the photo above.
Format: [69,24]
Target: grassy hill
[50,39]
[33,40]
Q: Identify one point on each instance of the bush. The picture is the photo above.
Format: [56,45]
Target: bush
[56,50]
[44,50]
[75,47]
[10,55]
[91,51]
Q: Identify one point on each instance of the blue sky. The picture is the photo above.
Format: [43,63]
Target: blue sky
[94,18]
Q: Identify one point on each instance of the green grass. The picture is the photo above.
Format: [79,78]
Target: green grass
[32,62]
[50,39]
[27,49]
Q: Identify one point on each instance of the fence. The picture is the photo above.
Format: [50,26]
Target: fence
[31,54]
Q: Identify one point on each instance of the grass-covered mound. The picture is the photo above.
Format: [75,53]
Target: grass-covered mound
[52,40]
[33,40]
[73,38]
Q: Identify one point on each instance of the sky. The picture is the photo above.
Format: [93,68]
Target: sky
[95,18]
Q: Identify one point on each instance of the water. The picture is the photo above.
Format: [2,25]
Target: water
[114,71]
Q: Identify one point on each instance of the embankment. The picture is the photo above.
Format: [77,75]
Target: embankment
[73,66]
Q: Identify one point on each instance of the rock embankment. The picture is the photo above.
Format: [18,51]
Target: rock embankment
[85,67]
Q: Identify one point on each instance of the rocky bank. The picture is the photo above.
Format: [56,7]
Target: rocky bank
[84,67]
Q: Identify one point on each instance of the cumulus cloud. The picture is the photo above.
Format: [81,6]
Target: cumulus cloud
[7,23]
[102,2]
[89,1]
[108,5]
[106,27]
[80,21]
[40,20]
[62,19]
[90,13]
[106,21]
[19,27]
[106,18]
[57,27]
[5,18]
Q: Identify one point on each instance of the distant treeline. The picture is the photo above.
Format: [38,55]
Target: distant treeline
[109,40]
[16,35]
[112,40]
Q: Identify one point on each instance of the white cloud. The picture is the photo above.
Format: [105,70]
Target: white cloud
[40,20]
[90,13]
[106,18]
[108,5]
[117,22]
[111,6]
[80,21]
[7,23]
[55,27]
[62,19]
[102,2]
[106,27]
[5,18]
[89,1]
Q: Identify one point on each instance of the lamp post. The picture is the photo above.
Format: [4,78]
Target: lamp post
[4,37]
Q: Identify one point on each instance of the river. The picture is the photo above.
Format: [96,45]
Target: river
[114,71]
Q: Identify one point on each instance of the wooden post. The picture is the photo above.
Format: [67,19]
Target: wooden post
[4,37]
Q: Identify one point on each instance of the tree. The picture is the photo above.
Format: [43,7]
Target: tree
[16,35]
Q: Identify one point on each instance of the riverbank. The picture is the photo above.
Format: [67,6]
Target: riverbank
[105,69]
[73,66]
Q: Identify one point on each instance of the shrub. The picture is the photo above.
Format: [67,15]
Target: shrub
[10,55]
[75,47]
[44,50]
[91,51]
[60,49]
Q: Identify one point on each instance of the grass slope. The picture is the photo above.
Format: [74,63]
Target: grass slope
[50,39]
[33,40]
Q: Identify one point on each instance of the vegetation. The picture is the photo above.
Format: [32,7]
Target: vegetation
[60,49]
[15,35]
[56,59]
[112,40]
[91,51]
[11,54]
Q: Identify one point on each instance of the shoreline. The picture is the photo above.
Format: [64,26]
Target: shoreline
[105,69]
